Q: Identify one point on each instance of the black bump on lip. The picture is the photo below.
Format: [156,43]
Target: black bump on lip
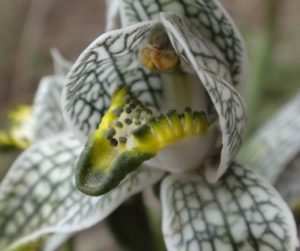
[128,121]
[110,133]
[118,111]
[141,131]
[119,124]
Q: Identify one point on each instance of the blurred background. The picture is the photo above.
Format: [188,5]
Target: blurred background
[30,28]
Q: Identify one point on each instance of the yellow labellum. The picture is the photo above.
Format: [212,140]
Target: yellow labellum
[128,135]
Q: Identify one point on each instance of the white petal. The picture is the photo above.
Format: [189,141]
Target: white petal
[205,52]
[240,212]
[209,17]
[112,10]
[226,100]
[38,196]
[110,61]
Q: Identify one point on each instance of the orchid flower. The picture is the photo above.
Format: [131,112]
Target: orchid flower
[158,100]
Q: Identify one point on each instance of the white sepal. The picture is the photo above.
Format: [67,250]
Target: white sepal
[208,16]
[112,60]
[38,196]
[240,212]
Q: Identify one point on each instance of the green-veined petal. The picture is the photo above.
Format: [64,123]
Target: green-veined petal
[205,52]
[111,60]
[240,212]
[38,196]
[208,16]
[226,99]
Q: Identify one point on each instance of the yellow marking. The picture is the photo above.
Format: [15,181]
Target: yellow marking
[105,161]
[18,133]
[163,130]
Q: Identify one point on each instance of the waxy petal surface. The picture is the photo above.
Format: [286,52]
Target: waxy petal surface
[227,101]
[38,196]
[241,212]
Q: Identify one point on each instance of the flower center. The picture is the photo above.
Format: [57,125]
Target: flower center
[158,53]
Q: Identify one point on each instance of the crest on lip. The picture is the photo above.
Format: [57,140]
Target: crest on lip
[128,135]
